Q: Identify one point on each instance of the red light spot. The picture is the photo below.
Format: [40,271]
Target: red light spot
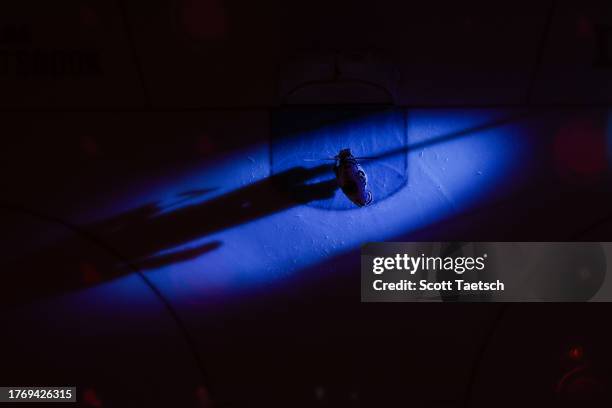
[580,149]
[205,145]
[203,397]
[91,399]
[584,28]
[204,19]
[90,274]
[88,16]
[582,386]
[89,146]
[576,353]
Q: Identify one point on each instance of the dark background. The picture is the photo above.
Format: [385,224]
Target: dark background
[154,255]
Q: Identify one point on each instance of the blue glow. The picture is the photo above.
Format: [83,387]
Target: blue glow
[445,176]
[447,162]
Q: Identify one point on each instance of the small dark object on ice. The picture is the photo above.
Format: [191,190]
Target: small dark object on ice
[352,179]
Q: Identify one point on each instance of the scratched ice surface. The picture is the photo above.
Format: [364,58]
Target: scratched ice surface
[308,138]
